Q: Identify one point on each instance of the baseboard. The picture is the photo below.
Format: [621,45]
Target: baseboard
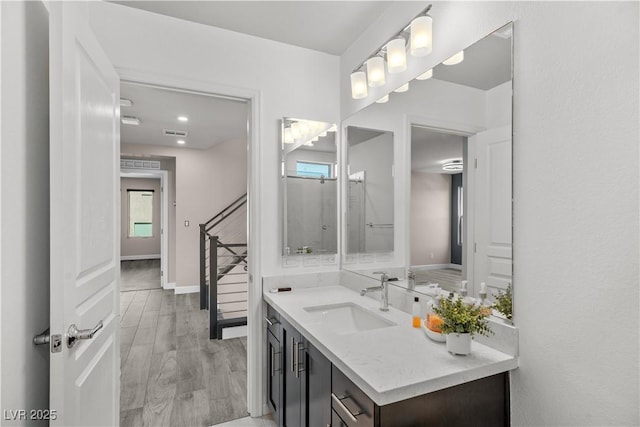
[192,289]
[138,257]
[171,285]
[234,332]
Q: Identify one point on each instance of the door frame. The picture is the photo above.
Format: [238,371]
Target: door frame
[163,175]
[452,128]
[255,346]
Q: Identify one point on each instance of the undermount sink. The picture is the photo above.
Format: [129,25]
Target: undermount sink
[347,318]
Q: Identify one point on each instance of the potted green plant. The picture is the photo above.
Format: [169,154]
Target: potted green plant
[460,322]
[504,303]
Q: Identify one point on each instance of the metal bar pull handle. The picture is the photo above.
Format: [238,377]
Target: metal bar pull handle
[343,408]
[272,321]
[74,334]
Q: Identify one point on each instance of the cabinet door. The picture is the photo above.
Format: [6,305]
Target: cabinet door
[336,421]
[274,376]
[292,407]
[317,387]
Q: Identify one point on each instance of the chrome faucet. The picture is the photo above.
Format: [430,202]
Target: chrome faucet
[411,280]
[384,288]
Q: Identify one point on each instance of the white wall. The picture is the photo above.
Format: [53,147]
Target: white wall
[576,210]
[138,246]
[430,218]
[206,182]
[292,81]
[24,124]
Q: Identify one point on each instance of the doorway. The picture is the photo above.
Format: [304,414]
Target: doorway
[172,373]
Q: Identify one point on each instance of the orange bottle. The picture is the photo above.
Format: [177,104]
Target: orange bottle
[417,319]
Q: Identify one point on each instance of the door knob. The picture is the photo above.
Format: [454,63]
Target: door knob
[74,334]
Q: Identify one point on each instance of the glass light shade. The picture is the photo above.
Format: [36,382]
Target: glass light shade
[396,56]
[455,59]
[304,129]
[375,71]
[383,99]
[403,88]
[288,136]
[358,85]
[426,75]
[421,41]
[295,130]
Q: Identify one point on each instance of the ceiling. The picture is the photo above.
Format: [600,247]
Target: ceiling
[212,120]
[430,149]
[326,26]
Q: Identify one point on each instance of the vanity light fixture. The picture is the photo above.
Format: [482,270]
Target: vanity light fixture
[124,102]
[183,118]
[403,88]
[375,71]
[455,59]
[426,75]
[421,41]
[130,120]
[295,130]
[358,85]
[288,136]
[396,56]
[383,99]
[453,166]
[418,33]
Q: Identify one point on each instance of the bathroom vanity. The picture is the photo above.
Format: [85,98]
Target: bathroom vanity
[334,359]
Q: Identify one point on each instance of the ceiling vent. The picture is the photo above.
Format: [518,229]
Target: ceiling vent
[170,132]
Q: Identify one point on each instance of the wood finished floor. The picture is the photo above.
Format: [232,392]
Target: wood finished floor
[136,275]
[447,278]
[171,373]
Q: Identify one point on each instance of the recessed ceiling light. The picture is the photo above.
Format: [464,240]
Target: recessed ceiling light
[124,102]
[181,141]
[183,118]
[130,120]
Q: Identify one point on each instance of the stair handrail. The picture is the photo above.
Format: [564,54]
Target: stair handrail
[234,206]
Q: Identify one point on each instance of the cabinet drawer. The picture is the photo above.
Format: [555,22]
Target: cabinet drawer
[336,421]
[272,320]
[350,403]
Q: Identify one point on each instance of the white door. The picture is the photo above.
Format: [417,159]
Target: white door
[492,205]
[85,268]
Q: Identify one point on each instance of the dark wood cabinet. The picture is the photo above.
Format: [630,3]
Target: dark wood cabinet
[304,389]
[274,378]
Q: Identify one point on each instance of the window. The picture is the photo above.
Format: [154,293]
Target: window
[313,169]
[140,213]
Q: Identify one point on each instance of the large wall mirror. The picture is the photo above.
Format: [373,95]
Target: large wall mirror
[370,210]
[454,122]
[309,187]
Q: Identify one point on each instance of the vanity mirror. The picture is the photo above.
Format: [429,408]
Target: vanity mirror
[309,187]
[454,124]
[369,224]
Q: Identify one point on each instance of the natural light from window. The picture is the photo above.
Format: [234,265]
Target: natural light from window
[140,213]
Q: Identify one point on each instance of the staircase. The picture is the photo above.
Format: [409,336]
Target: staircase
[223,267]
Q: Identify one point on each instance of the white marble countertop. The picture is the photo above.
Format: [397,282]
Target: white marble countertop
[389,364]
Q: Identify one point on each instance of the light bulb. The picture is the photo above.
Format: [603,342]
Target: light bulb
[358,85]
[421,40]
[396,56]
[383,99]
[375,71]
[403,88]
[426,75]
[455,59]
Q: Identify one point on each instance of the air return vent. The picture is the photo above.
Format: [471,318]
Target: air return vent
[170,132]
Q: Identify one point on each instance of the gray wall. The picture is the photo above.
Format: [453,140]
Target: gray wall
[147,246]
[24,219]
[430,218]
[205,182]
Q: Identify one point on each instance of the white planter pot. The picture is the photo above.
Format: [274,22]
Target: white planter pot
[459,344]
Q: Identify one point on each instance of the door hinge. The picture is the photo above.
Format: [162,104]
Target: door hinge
[161,273]
[475,247]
